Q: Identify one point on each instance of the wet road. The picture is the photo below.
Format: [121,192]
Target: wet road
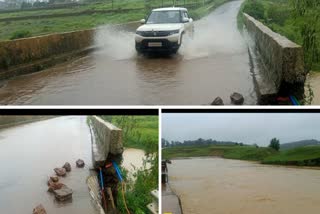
[28,154]
[215,185]
[215,63]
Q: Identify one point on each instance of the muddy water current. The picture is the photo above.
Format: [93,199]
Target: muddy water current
[214,63]
[215,185]
[30,152]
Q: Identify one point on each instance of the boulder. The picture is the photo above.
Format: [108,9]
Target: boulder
[39,210]
[217,102]
[236,98]
[54,178]
[67,166]
[60,171]
[63,194]
[55,186]
[80,163]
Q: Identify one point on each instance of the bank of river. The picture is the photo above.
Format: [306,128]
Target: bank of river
[224,186]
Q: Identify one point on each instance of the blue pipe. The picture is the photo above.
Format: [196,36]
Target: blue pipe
[101,179]
[293,101]
[117,170]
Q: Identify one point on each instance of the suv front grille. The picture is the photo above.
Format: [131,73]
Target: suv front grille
[155,33]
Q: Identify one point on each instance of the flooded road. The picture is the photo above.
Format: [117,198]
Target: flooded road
[214,63]
[28,154]
[221,186]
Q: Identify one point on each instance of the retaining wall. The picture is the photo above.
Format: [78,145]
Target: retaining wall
[283,64]
[33,54]
[107,140]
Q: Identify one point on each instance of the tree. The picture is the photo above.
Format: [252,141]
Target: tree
[275,144]
[308,13]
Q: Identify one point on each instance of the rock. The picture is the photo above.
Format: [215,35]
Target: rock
[55,186]
[67,166]
[63,194]
[54,178]
[80,163]
[236,98]
[217,102]
[39,210]
[60,171]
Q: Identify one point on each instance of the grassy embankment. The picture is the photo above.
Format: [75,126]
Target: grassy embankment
[278,16]
[303,156]
[41,26]
[139,132]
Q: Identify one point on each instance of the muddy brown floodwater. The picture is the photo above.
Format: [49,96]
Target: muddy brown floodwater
[28,154]
[215,185]
[214,63]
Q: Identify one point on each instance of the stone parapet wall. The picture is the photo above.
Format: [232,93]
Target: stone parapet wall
[107,140]
[282,59]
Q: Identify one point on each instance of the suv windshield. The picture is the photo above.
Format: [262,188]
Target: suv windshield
[170,16]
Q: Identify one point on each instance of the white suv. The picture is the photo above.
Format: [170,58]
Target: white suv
[163,30]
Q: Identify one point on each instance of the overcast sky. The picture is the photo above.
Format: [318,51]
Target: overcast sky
[248,128]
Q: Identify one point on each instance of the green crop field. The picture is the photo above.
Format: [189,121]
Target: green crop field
[35,26]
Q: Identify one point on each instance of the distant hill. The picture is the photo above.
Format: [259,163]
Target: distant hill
[300,143]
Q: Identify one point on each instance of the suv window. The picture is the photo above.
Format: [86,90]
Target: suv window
[170,16]
[185,14]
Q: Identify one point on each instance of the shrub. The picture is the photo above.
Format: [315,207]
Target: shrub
[278,14]
[254,9]
[20,34]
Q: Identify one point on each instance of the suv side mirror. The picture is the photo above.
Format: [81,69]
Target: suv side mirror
[185,20]
[142,21]
[190,20]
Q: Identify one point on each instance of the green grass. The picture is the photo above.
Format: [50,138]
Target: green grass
[44,26]
[302,156]
[277,15]
[230,152]
[305,156]
[139,131]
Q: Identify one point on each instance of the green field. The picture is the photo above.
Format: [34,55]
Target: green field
[279,16]
[303,156]
[139,131]
[230,152]
[42,26]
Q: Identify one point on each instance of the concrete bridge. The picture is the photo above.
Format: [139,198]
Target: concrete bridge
[216,62]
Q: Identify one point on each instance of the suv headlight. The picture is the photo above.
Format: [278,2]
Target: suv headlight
[173,32]
[139,33]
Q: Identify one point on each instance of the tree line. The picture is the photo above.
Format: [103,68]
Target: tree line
[274,143]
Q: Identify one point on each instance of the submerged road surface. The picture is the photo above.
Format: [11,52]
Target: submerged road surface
[215,185]
[28,154]
[214,63]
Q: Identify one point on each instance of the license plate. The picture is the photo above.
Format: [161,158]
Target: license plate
[155,44]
